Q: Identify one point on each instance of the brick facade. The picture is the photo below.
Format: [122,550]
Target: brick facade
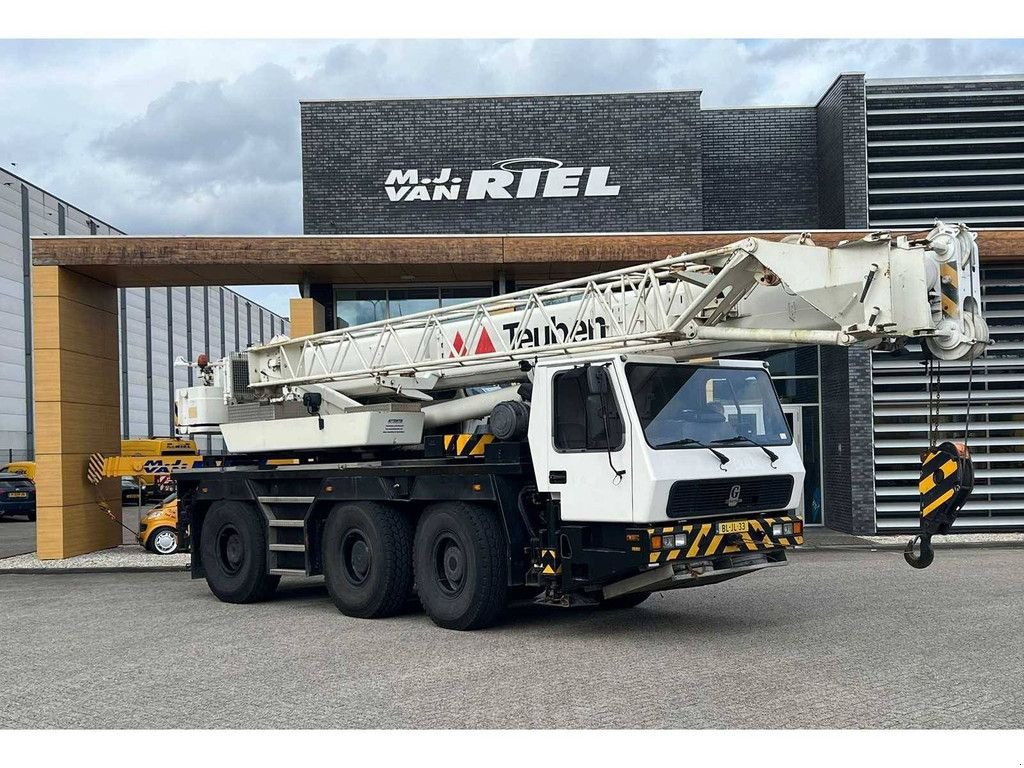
[678,167]
[848,467]
[842,155]
[760,168]
[651,141]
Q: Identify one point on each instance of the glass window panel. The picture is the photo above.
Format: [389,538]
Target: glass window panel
[459,294]
[360,305]
[408,301]
[799,361]
[797,390]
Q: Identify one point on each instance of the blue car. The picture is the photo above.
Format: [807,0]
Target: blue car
[17,496]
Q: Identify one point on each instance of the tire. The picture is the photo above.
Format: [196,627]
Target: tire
[31,517]
[158,538]
[367,559]
[233,551]
[632,600]
[460,558]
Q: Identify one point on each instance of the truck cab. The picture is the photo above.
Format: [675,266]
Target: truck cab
[645,440]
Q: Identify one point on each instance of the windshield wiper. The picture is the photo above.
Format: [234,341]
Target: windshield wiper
[722,458]
[743,438]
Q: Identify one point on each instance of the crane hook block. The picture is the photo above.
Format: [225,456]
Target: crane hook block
[947,479]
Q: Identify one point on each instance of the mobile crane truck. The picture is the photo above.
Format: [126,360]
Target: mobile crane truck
[583,442]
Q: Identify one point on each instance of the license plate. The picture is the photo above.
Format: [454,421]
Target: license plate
[18,495]
[740,526]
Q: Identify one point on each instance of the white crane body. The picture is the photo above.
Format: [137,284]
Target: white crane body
[605,392]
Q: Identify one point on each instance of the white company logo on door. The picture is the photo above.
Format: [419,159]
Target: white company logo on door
[518,178]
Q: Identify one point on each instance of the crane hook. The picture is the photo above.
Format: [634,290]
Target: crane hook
[924,559]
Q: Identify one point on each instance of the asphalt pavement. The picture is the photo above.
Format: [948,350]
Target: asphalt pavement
[16,536]
[839,639]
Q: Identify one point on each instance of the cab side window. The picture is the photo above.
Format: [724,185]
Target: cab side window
[585,421]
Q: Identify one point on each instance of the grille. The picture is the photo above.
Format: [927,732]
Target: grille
[691,498]
[240,379]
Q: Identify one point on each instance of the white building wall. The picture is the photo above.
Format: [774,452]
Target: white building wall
[12,321]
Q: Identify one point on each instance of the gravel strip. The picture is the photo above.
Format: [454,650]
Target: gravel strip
[130,557]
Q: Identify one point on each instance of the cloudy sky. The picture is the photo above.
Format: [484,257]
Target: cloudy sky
[202,137]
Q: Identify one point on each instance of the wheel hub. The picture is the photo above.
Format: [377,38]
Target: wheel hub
[356,556]
[450,565]
[231,549]
[164,541]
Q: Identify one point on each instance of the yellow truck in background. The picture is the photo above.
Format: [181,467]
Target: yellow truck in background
[26,468]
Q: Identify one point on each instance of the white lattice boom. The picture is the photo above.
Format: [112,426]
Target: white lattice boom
[742,297]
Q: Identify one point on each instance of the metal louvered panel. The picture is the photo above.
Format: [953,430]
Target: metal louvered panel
[950,149]
[997,418]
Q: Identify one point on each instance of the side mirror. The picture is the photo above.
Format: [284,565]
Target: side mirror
[597,380]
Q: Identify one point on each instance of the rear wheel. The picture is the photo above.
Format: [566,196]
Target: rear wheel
[233,550]
[367,556]
[461,565]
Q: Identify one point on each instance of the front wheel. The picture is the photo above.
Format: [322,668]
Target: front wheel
[233,549]
[164,540]
[460,558]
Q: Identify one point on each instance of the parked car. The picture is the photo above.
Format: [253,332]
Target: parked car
[17,496]
[158,529]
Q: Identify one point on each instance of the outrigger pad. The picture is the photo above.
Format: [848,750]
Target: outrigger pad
[947,479]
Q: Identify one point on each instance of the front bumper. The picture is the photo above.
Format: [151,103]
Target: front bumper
[703,539]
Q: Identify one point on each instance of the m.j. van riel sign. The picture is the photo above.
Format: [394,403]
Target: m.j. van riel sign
[518,178]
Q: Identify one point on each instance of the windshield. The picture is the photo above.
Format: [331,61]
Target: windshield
[688,404]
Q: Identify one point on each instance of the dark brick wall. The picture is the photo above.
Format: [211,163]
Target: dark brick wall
[652,141]
[760,168]
[842,155]
[849,500]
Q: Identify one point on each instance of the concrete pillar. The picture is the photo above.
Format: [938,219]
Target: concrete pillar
[77,410]
[307,317]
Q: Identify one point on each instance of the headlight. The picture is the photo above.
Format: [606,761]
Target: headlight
[777,529]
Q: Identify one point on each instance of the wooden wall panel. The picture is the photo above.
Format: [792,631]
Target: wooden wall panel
[75,351]
[69,376]
[66,324]
[68,489]
[306,317]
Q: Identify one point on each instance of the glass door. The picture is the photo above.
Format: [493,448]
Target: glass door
[795,418]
